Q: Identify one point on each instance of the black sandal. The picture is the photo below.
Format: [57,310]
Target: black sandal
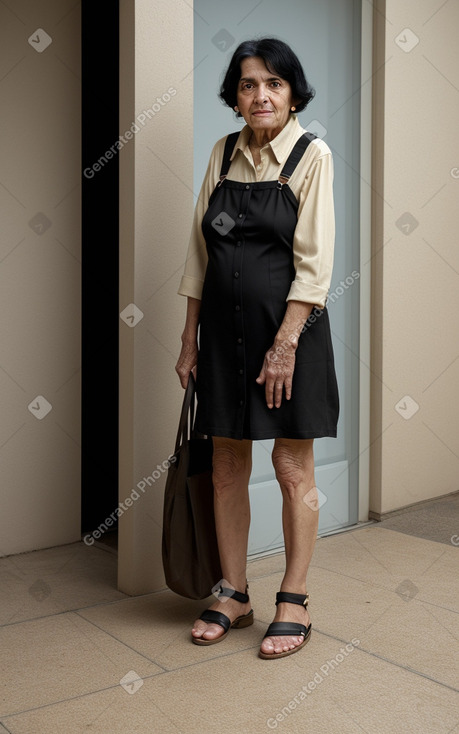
[290,629]
[213,617]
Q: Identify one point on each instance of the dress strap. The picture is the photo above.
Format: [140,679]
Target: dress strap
[226,162]
[295,157]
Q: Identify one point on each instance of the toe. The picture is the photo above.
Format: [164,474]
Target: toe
[199,628]
[213,631]
[276,645]
[267,646]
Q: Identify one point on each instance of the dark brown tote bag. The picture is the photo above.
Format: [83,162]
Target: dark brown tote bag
[190,555]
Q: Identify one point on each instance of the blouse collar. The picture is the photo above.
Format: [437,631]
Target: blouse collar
[281,145]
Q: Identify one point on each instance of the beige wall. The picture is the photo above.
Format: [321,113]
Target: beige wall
[156,211]
[40,275]
[414,279]
[415,307]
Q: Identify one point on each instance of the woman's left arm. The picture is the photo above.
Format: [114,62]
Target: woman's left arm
[313,250]
[279,363]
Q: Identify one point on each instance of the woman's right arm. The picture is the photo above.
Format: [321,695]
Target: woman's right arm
[195,266]
[188,358]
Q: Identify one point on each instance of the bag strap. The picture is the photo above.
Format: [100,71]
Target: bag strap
[187,413]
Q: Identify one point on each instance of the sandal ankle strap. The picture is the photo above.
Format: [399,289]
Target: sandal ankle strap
[233,594]
[286,596]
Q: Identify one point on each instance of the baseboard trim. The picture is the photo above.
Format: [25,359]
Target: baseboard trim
[380,516]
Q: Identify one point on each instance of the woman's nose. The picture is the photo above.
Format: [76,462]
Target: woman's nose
[260,93]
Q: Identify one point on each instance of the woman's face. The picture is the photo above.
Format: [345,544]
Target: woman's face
[263,98]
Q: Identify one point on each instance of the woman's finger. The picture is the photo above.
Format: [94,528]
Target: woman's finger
[288,387]
[278,390]
[262,376]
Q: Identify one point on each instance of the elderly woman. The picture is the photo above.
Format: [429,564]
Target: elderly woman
[257,276]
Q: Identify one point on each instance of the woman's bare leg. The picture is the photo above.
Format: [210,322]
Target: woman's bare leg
[293,462]
[232,464]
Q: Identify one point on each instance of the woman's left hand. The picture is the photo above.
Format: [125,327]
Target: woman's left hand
[279,362]
[277,373]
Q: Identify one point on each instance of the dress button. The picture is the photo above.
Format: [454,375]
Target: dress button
[247,187]
[239,216]
[239,341]
[238,244]
[241,403]
[259,167]
[236,275]
[241,372]
[238,308]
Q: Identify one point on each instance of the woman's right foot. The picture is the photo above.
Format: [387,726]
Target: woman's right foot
[231,608]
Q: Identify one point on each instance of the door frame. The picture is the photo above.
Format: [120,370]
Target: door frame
[366,135]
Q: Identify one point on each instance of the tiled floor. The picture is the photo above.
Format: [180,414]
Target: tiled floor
[79,656]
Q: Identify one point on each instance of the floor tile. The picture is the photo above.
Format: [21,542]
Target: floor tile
[319,690]
[127,665]
[438,521]
[159,626]
[113,711]
[56,580]
[396,623]
[265,566]
[399,563]
[56,658]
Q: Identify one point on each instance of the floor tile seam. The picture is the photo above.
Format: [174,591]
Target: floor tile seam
[407,669]
[380,526]
[3,717]
[420,537]
[44,616]
[214,659]
[121,642]
[164,668]
[387,660]
[36,619]
[50,549]
[211,660]
[80,609]
[77,610]
[330,636]
[375,585]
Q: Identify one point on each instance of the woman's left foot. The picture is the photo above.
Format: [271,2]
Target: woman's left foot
[291,616]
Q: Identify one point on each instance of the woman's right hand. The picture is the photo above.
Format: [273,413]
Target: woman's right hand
[187,361]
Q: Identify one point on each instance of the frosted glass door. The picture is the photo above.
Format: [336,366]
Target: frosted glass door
[326,37]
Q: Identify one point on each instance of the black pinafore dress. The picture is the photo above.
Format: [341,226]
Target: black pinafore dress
[249,229]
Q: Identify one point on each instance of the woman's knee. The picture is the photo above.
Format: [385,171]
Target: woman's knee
[293,464]
[232,462]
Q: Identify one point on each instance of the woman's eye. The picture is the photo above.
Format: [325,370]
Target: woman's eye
[276,84]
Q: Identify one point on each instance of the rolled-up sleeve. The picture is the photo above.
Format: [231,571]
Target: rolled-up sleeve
[194,271]
[314,238]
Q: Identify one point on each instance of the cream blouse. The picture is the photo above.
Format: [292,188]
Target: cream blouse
[311,183]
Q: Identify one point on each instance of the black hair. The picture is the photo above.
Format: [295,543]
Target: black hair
[279,59]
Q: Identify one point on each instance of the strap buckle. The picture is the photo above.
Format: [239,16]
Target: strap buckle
[283,179]
[221,179]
